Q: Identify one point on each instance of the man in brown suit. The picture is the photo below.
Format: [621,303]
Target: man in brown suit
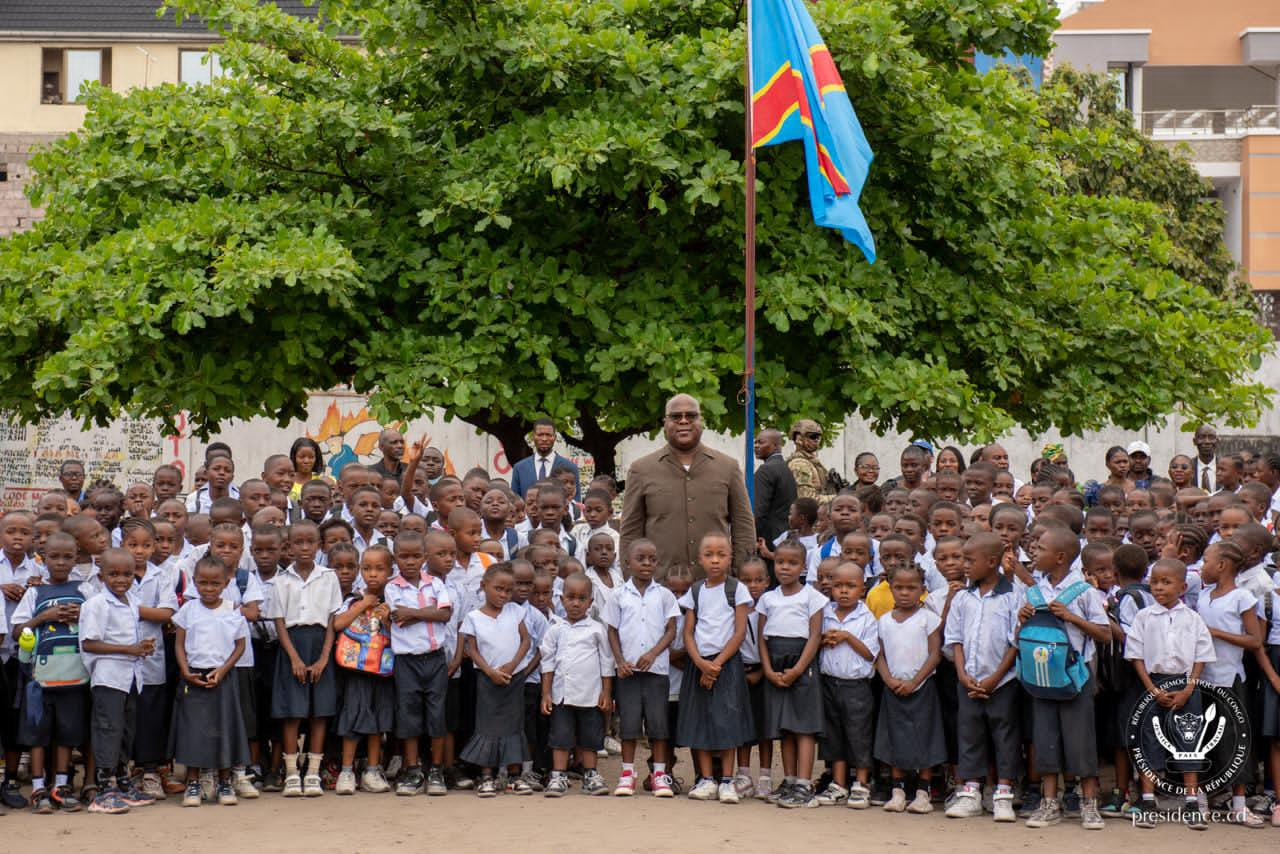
[677,494]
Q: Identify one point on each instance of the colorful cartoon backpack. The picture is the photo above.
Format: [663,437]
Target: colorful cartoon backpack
[365,646]
[55,658]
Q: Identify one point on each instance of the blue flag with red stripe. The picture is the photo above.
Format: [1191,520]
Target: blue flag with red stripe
[797,94]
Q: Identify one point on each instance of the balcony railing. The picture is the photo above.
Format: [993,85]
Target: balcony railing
[1181,124]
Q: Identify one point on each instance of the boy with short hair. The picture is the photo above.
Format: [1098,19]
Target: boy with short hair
[597,511]
[845,515]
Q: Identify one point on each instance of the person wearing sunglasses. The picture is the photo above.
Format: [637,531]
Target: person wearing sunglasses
[811,475]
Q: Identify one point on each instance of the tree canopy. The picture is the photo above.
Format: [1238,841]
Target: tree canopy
[509,209]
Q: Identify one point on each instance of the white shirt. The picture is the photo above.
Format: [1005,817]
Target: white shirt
[211,633]
[985,626]
[905,644]
[600,594]
[417,638]
[105,618]
[463,603]
[375,539]
[304,603]
[154,590]
[1256,580]
[1224,613]
[1128,609]
[750,648]
[497,638]
[10,574]
[715,619]
[470,575]
[641,620]
[578,654]
[787,616]
[1169,641]
[536,625]
[841,661]
[200,502]
[1090,605]
[582,534]
[675,676]
[264,629]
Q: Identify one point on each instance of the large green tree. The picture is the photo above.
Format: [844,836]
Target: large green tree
[527,207]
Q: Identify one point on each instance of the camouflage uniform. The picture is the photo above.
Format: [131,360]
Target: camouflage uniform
[810,475]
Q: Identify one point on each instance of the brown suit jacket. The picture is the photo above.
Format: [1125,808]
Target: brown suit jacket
[675,508]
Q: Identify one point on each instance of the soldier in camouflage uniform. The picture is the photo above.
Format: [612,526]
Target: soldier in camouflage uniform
[810,475]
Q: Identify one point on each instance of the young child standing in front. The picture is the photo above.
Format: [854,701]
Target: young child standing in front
[909,725]
[755,575]
[496,641]
[577,678]
[715,711]
[303,601]
[642,624]
[790,635]
[208,727]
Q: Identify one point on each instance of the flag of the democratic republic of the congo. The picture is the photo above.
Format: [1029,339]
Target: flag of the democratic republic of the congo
[797,93]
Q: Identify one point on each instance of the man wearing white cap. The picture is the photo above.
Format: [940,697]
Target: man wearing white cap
[1139,464]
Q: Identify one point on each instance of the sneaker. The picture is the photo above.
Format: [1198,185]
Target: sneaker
[626,785]
[779,793]
[272,782]
[153,785]
[833,795]
[435,782]
[897,800]
[703,790]
[132,795]
[173,785]
[764,788]
[462,778]
[1031,799]
[1247,818]
[727,793]
[1046,814]
[594,784]
[346,784]
[922,803]
[11,795]
[612,746]
[1145,816]
[226,794]
[108,803]
[519,786]
[661,786]
[42,804]
[292,786]
[966,804]
[394,767]
[64,799]
[742,785]
[881,792]
[1002,807]
[801,797]
[193,796]
[312,786]
[1194,819]
[1090,818]
[411,782]
[1071,803]
[373,780]
[487,787]
[557,786]
[1112,806]
[859,797]
[243,784]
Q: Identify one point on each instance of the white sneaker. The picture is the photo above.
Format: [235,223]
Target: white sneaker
[859,797]
[292,786]
[833,795]
[742,785]
[612,746]
[966,804]
[705,790]
[346,783]
[1002,806]
[244,786]
[373,781]
[764,788]
[728,794]
[897,801]
[312,786]
[921,805]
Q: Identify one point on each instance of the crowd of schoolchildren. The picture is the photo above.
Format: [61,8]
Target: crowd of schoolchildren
[963,639]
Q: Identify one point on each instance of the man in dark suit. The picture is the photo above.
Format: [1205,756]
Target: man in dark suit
[775,487]
[1205,471]
[544,460]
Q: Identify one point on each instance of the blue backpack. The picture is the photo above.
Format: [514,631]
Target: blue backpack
[55,662]
[1049,667]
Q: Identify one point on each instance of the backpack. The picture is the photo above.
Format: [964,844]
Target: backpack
[55,660]
[730,591]
[1048,666]
[242,581]
[1115,672]
[365,646]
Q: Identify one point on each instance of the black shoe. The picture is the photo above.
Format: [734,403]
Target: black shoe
[881,791]
[11,795]
[1030,801]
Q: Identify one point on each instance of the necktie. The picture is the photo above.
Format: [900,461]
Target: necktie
[1204,478]
[542,469]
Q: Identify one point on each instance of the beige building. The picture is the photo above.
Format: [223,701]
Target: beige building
[49,50]
[1203,77]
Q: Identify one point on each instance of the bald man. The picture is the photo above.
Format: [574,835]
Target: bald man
[391,445]
[775,486]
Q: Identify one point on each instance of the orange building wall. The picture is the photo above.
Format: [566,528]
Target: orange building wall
[1183,32]
[1260,178]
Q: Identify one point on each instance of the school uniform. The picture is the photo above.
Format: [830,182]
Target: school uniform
[675,680]
[377,538]
[208,724]
[498,737]
[798,707]
[471,575]
[10,673]
[367,704]
[582,534]
[463,604]
[1270,705]
[1064,732]
[1169,642]
[62,717]
[265,647]
[848,705]
[114,679]
[151,745]
[307,607]
[640,619]
[908,729]
[244,588]
[577,655]
[945,675]
[422,670]
[601,593]
[199,501]
[1228,668]
[718,718]
[750,653]
[985,626]
[537,726]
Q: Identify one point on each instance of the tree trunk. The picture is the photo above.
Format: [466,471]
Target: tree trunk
[601,444]
[508,430]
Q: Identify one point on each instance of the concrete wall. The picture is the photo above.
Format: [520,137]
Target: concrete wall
[1260,174]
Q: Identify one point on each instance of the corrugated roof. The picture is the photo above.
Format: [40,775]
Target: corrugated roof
[105,16]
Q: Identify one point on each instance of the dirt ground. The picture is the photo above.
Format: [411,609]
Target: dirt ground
[379,823]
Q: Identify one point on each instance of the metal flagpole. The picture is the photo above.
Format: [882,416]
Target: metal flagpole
[749,373]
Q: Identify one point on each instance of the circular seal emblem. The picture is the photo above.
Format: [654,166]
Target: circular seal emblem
[1208,735]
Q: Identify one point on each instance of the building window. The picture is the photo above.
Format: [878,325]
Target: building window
[64,70]
[198,67]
